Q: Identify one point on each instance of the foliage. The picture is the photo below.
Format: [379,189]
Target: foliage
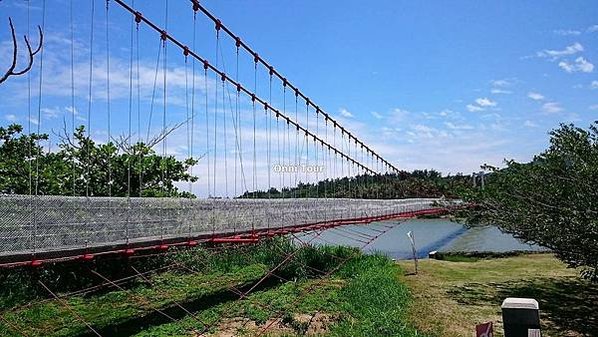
[82,166]
[416,184]
[552,200]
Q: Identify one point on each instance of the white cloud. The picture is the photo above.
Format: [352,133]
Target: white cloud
[377,115]
[530,124]
[485,102]
[593,107]
[569,50]
[500,83]
[454,126]
[535,96]
[592,29]
[552,107]
[594,85]
[345,113]
[10,117]
[566,32]
[580,64]
[50,113]
[499,86]
[500,91]
[420,131]
[566,66]
[399,115]
[448,113]
[473,108]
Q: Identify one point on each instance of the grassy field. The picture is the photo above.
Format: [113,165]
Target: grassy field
[196,292]
[450,297]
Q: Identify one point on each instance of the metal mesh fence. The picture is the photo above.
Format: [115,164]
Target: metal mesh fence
[54,223]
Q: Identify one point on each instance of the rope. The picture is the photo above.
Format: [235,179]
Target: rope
[66,305]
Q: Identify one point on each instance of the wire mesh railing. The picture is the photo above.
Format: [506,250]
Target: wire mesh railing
[53,223]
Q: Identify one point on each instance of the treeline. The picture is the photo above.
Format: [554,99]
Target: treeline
[416,184]
[551,200]
[83,167]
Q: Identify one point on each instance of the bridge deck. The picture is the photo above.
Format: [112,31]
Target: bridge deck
[52,227]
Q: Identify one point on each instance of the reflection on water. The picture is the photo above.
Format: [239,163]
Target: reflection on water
[430,235]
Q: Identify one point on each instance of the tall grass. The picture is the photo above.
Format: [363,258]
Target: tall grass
[20,285]
[364,294]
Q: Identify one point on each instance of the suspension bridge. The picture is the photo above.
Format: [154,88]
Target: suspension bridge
[151,130]
[256,132]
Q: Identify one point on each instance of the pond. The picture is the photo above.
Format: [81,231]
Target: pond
[430,234]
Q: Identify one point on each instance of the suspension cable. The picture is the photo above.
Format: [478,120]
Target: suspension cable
[39,121]
[108,112]
[88,155]
[207,119]
[138,84]
[164,166]
[251,52]
[73,111]
[215,172]
[207,65]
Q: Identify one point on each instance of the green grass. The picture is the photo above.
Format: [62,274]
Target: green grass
[450,298]
[374,301]
[362,298]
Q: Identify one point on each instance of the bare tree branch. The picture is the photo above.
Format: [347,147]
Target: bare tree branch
[11,70]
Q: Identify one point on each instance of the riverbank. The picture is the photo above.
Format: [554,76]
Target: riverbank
[450,298]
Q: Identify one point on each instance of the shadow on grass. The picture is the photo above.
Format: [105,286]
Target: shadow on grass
[565,303]
[137,324]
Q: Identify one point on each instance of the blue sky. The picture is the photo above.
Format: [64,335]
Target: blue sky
[427,84]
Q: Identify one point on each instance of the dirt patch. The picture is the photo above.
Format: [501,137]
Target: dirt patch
[315,324]
[303,324]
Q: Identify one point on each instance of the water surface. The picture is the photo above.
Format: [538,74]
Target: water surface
[430,235]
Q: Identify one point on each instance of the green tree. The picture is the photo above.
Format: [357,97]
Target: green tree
[552,200]
[84,167]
